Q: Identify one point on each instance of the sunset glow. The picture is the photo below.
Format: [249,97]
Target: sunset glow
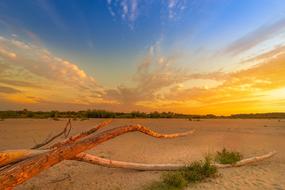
[196,57]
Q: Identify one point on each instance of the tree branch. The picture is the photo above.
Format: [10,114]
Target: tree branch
[81,135]
[65,131]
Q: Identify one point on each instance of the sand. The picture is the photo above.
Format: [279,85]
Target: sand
[250,137]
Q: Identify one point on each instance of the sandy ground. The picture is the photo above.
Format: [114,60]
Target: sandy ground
[251,137]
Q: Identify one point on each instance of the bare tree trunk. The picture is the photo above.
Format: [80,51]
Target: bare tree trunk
[12,156]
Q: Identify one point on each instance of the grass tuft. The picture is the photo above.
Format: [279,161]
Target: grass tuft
[177,180]
[227,157]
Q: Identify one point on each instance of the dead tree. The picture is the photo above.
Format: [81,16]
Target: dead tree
[27,168]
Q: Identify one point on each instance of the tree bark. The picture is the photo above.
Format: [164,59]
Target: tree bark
[12,156]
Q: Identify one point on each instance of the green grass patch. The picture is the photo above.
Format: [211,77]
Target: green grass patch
[177,180]
[227,157]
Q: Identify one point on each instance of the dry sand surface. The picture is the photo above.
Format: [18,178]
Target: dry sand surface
[250,137]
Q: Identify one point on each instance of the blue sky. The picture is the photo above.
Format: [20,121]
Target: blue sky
[110,39]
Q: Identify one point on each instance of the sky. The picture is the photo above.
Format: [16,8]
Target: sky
[186,56]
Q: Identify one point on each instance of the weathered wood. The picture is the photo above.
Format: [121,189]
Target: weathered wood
[81,135]
[65,131]
[12,156]
[22,171]
[92,159]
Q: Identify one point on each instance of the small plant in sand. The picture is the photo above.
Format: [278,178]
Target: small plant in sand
[228,157]
[177,180]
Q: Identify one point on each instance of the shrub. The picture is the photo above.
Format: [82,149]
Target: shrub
[195,172]
[199,170]
[227,157]
[174,179]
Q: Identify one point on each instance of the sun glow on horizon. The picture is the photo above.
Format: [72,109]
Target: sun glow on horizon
[155,58]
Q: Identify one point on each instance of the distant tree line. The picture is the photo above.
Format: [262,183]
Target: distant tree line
[135,114]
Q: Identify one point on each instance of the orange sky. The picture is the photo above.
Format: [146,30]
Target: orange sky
[259,86]
[195,57]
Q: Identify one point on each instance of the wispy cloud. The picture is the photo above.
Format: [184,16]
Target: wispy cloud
[18,83]
[128,10]
[38,78]
[175,7]
[8,90]
[131,10]
[161,84]
[53,14]
[33,66]
[41,62]
[256,37]
[156,75]
[247,90]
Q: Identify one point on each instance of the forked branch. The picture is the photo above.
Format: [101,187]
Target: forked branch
[22,171]
[76,137]
[65,132]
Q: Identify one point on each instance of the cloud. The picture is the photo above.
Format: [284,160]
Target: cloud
[131,10]
[19,83]
[256,37]
[247,90]
[8,90]
[175,7]
[50,10]
[277,51]
[155,75]
[39,61]
[128,10]
[38,78]
[33,66]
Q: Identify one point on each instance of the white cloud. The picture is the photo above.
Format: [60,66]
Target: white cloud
[130,10]
[40,62]
[175,7]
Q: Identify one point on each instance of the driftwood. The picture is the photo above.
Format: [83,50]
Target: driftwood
[92,159]
[12,156]
[24,170]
